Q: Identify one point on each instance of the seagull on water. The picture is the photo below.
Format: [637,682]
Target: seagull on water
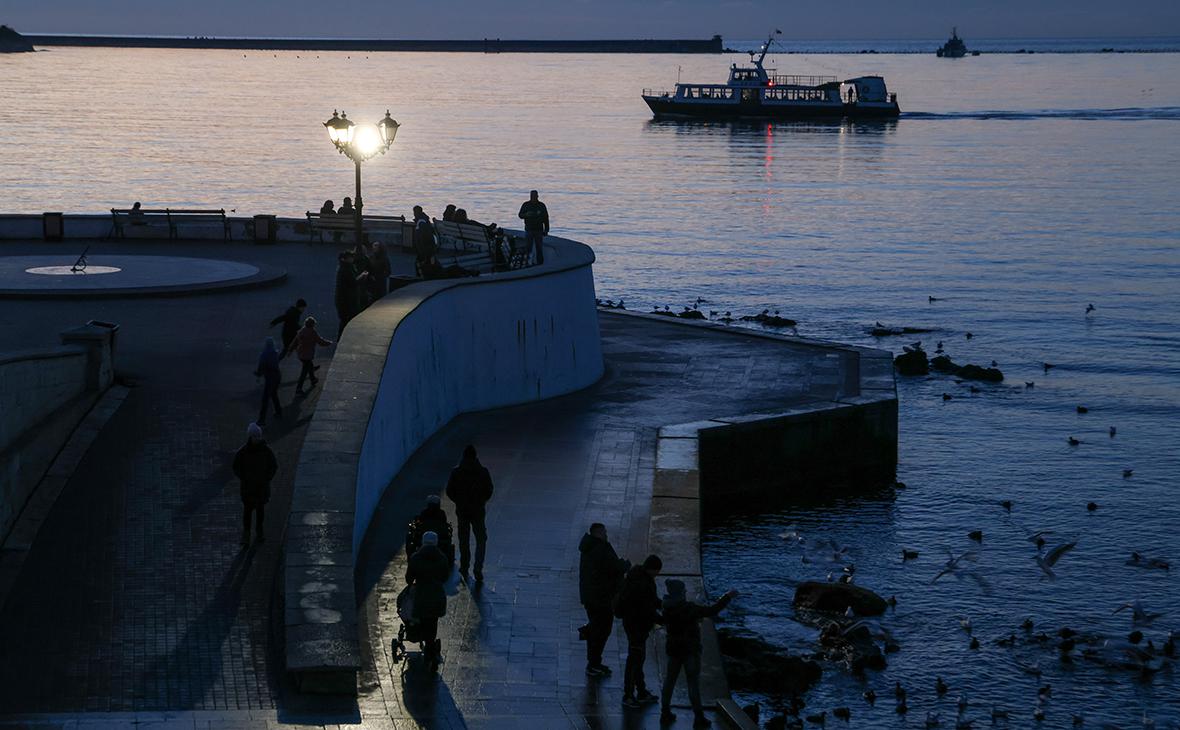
[1138,560]
[1046,563]
[1139,615]
[1090,308]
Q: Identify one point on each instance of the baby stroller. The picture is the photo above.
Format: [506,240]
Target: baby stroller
[411,632]
[418,527]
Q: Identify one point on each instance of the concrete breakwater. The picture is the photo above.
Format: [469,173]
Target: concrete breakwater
[484,45]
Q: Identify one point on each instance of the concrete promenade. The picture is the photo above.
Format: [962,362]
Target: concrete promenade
[135,605]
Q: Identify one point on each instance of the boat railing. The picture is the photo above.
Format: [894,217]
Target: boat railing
[658,92]
[788,80]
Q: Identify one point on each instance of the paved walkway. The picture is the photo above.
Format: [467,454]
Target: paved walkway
[136,605]
[135,595]
[511,648]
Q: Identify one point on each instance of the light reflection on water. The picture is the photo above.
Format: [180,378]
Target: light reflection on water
[1006,191]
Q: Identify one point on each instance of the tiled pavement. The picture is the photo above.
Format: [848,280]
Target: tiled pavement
[136,606]
[511,648]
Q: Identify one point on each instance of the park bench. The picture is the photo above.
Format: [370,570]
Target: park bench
[121,218]
[390,229]
[465,236]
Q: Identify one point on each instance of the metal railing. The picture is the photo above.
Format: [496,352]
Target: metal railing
[788,80]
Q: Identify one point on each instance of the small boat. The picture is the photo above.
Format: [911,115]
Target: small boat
[755,92]
[954,46]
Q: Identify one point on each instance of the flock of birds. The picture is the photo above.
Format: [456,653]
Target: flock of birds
[1049,555]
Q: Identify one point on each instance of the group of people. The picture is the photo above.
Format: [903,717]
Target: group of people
[329,208]
[536,225]
[609,588]
[362,277]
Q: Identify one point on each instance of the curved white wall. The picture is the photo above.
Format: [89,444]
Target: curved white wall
[472,348]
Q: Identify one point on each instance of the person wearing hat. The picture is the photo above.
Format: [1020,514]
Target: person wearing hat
[254,466]
[682,618]
[470,488]
[638,604]
[428,570]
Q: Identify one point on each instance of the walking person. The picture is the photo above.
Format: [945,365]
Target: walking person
[536,225]
[638,604]
[254,466]
[682,618]
[470,488]
[290,320]
[428,571]
[305,344]
[268,370]
[599,572]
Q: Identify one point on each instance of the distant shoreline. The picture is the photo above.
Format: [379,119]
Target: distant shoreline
[486,45]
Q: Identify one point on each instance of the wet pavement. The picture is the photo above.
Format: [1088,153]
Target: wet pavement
[136,605]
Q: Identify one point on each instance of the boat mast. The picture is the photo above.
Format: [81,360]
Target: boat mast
[766,48]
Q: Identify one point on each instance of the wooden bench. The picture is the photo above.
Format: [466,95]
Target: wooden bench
[517,251]
[465,236]
[481,262]
[390,227]
[174,217]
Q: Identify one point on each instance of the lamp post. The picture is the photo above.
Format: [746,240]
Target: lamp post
[359,143]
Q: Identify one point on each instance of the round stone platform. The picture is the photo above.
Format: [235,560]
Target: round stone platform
[128,275]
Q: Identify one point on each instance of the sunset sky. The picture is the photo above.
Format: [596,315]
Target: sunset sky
[734,19]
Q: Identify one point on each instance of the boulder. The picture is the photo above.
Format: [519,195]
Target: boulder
[943,364]
[691,314]
[912,362]
[13,42]
[838,598]
[754,666]
[976,372]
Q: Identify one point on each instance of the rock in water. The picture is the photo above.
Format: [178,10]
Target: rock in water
[13,42]
[838,598]
[912,362]
[976,372]
[754,666]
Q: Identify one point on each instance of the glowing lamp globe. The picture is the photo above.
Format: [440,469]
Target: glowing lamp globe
[340,129]
[366,141]
[388,129]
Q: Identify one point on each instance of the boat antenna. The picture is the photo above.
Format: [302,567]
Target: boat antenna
[765,47]
[678,74]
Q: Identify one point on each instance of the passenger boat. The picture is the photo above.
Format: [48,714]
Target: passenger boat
[755,92]
[954,46]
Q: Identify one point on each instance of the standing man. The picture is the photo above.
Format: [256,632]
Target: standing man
[470,488]
[290,320]
[638,605]
[348,293]
[536,224]
[599,573]
[254,466]
[682,618]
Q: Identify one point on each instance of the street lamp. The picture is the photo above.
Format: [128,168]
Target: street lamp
[359,142]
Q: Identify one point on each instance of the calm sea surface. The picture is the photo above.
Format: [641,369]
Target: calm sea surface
[1016,189]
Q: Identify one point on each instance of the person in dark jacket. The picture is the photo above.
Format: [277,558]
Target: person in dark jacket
[428,571]
[348,296]
[638,604]
[682,619]
[290,320]
[379,271]
[268,370]
[424,244]
[599,572]
[536,224]
[254,466]
[470,488]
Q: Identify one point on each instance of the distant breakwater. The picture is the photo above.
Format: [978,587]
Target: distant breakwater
[486,45]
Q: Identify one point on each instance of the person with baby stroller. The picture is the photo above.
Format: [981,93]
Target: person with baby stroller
[424,600]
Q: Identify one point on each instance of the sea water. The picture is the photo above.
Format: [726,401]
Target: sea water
[1015,190]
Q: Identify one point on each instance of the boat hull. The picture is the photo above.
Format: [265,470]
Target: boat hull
[667,108]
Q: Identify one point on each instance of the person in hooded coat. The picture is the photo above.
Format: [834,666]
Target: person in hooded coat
[470,488]
[638,604]
[268,370]
[290,322]
[428,571]
[682,619]
[599,572]
[254,466]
